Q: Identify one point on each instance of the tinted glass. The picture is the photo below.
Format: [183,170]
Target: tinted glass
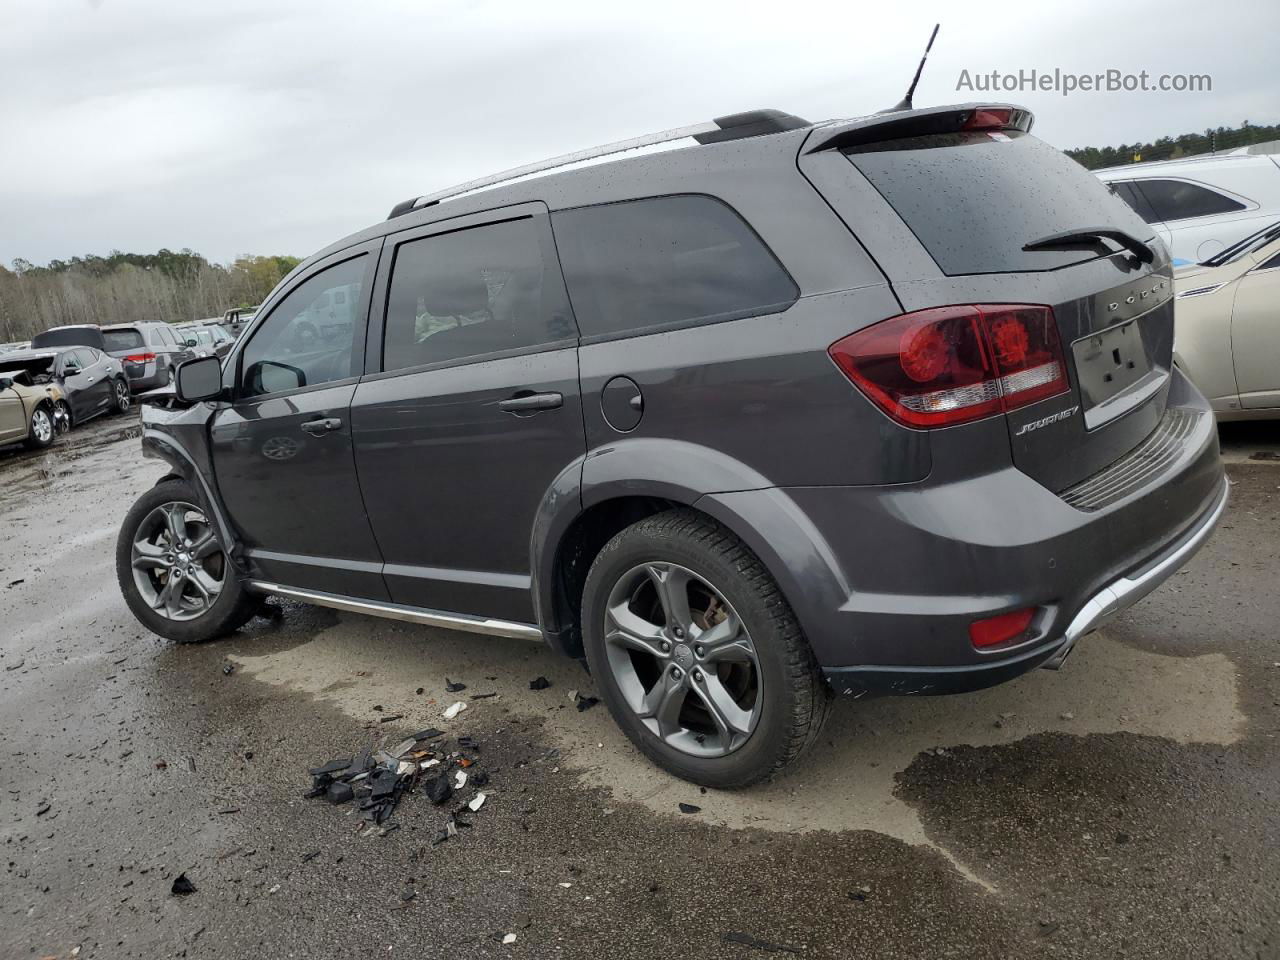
[122,339]
[1271,264]
[472,293]
[1178,200]
[70,336]
[642,264]
[303,342]
[974,199]
[1131,195]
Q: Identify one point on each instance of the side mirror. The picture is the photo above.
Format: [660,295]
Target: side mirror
[198,379]
[268,376]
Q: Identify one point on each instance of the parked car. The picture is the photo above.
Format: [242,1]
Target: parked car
[17,345]
[790,411]
[206,339]
[1201,205]
[30,413]
[149,352]
[1228,331]
[72,335]
[90,381]
[237,319]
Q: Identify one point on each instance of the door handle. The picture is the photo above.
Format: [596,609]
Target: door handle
[318,428]
[531,402]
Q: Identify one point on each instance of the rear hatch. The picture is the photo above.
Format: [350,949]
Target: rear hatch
[1007,219]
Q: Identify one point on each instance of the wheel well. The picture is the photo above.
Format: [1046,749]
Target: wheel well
[590,531]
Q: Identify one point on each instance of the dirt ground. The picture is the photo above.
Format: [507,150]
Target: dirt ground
[1125,806]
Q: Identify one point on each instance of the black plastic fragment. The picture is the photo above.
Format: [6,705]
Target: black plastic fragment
[182,886]
[451,687]
[586,703]
[390,717]
[431,733]
[479,778]
[339,793]
[333,766]
[438,789]
[690,808]
[539,683]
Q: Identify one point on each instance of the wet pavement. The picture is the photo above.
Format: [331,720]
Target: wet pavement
[1125,806]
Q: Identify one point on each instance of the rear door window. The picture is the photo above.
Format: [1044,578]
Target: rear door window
[975,199]
[1180,200]
[1130,194]
[472,293]
[126,339]
[661,262]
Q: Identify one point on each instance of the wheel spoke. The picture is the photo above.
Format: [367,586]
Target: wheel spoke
[672,585]
[206,585]
[663,702]
[170,596]
[204,546]
[629,630]
[730,719]
[148,556]
[175,517]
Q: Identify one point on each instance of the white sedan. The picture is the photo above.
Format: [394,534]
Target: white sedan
[1227,331]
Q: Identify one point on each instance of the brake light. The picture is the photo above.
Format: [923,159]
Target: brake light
[1002,628]
[140,357]
[988,118]
[949,365]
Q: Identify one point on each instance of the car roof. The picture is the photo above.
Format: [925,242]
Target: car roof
[1196,163]
[40,354]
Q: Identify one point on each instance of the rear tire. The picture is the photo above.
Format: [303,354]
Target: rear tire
[751,696]
[121,399]
[173,573]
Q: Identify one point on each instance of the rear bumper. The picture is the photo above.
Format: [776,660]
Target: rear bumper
[145,376]
[887,580]
[1115,597]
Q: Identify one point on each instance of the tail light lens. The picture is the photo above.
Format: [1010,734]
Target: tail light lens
[1001,628]
[140,357]
[949,365]
[989,118]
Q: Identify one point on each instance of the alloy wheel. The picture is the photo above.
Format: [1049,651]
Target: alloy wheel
[178,565]
[122,396]
[682,659]
[42,425]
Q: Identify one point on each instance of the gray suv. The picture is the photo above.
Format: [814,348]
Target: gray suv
[150,352]
[879,406]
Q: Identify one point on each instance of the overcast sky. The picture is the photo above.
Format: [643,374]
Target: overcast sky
[277,127]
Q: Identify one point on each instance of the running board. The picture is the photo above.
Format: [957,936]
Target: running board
[395,611]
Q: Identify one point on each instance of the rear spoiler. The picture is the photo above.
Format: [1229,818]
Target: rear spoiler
[957,118]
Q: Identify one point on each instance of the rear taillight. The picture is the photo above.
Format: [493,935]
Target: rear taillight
[989,118]
[140,357]
[948,365]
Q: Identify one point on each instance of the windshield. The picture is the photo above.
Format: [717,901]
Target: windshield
[122,339]
[1244,247]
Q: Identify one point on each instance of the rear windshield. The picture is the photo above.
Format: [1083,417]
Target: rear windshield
[974,199]
[122,339]
[69,337]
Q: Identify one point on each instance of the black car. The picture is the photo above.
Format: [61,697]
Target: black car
[875,406]
[92,382]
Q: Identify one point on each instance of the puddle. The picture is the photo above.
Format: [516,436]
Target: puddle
[847,782]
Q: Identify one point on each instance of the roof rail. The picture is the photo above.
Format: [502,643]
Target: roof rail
[737,126]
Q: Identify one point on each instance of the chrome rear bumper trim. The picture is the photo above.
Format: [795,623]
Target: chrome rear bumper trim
[1126,591]
[395,611]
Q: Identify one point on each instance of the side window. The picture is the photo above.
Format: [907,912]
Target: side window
[641,264]
[302,343]
[471,293]
[1131,195]
[1271,264]
[1178,200]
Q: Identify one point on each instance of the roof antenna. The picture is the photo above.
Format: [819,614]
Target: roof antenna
[905,102]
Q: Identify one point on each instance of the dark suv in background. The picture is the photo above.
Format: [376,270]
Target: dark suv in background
[879,406]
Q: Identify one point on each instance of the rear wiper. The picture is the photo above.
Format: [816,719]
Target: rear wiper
[1089,234]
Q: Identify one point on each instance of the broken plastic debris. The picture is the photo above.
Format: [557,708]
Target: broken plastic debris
[339,793]
[451,687]
[509,938]
[438,789]
[228,668]
[539,683]
[586,703]
[182,886]
[454,709]
[689,808]
[476,802]
[459,780]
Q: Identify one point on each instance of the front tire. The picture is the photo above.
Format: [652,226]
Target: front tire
[40,431]
[175,575]
[697,654]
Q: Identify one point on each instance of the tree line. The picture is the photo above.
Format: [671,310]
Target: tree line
[167,286]
[1170,148]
